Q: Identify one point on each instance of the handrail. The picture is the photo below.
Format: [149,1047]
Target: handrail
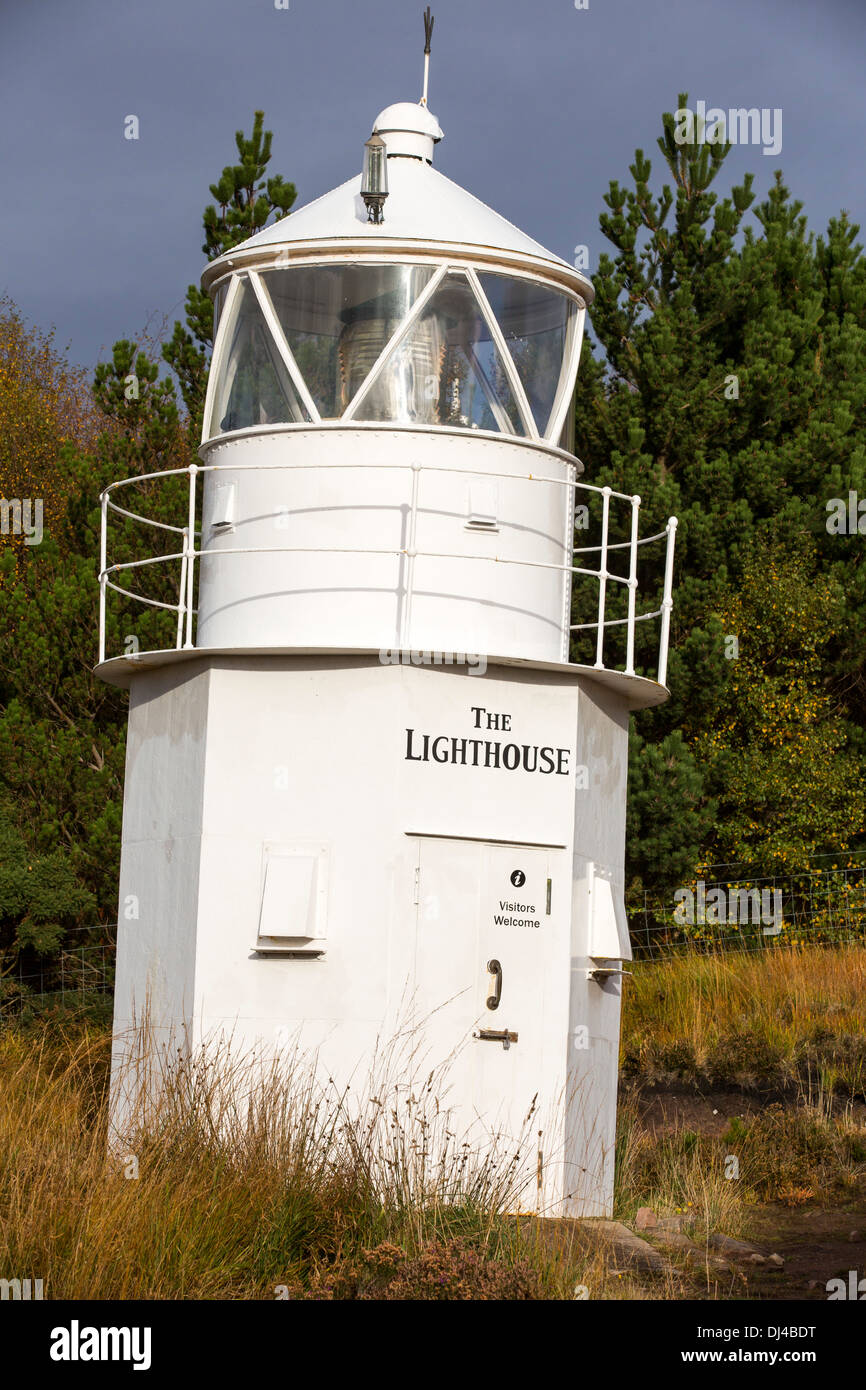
[191,552]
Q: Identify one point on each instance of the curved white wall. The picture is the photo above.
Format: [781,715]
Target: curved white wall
[290,495]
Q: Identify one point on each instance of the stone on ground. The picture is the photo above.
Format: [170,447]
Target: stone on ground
[628,1248]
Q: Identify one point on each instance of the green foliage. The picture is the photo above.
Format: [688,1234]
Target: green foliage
[775,754]
[668,814]
[245,198]
[733,395]
[62,732]
[40,895]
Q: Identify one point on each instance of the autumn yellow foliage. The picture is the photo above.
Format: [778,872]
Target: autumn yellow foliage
[44,403]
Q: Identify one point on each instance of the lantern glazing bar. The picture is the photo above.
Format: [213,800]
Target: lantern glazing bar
[496,407]
[253,386]
[507,359]
[338,319]
[535,321]
[394,342]
[283,348]
[231,292]
[563,401]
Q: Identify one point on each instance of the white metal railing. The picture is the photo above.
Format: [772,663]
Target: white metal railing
[190,552]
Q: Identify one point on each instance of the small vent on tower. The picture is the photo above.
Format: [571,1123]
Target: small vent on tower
[293,910]
[483,507]
[223,517]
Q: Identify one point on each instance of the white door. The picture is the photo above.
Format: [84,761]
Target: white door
[486,1003]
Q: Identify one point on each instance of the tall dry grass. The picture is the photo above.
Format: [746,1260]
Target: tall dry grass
[788,1021]
[776,1017]
[675,1173]
[241,1182]
[246,1181]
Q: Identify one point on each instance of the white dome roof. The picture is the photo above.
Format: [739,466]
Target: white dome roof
[408,115]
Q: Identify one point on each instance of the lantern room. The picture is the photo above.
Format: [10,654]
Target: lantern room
[437,313]
[384,361]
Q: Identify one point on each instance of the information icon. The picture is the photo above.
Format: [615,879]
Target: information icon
[518,878]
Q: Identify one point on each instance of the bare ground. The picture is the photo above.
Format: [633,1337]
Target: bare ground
[817,1242]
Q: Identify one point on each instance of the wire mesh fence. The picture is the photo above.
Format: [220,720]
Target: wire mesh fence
[80,973]
[822,906]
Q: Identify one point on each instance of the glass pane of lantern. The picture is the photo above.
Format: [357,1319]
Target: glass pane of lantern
[534,322]
[446,371]
[337,319]
[253,386]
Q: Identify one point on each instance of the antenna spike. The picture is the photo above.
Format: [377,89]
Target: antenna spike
[428,34]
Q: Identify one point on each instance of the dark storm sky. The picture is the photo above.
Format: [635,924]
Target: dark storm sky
[541,105]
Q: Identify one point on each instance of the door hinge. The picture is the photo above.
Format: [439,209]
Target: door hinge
[417,897]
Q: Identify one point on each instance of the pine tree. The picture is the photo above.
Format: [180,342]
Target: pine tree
[245,199]
[731,393]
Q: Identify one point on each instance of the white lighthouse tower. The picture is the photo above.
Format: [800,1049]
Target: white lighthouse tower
[367,791]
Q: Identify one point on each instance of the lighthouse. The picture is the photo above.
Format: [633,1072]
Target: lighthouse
[369,793]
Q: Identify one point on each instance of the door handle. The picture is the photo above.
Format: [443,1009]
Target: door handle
[495,969]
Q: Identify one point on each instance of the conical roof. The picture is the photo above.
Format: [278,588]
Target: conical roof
[424,209]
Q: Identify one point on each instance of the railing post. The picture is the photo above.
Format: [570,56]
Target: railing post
[189,552]
[181,593]
[667,601]
[632,587]
[103,559]
[602,576]
[406,636]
